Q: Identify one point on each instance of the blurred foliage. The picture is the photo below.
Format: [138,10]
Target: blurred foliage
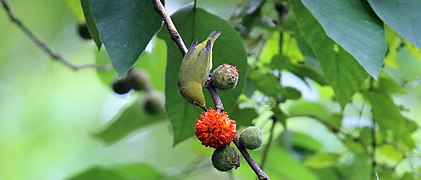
[341,107]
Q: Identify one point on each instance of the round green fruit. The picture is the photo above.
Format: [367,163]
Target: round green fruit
[251,138]
[225,158]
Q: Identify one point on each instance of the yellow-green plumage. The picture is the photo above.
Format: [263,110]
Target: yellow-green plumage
[194,70]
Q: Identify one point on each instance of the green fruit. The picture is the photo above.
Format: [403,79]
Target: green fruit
[154,102]
[83,31]
[225,77]
[139,80]
[251,137]
[121,86]
[225,158]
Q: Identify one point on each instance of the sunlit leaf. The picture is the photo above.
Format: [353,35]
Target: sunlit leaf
[390,152]
[280,157]
[316,111]
[75,7]
[403,16]
[321,160]
[342,72]
[355,28]
[228,48]
[125,28]
[132,171]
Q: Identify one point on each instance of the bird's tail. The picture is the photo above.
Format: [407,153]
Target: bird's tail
[214,35]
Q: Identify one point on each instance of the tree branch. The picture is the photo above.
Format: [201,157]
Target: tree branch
[216,99]
[175,36]
[259,172]
[43,46]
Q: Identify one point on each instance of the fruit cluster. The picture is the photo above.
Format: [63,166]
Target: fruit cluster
[138,80]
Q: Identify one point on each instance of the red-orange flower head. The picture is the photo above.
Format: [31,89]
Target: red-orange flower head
[215,129]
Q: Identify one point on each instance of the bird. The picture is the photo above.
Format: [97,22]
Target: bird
[194,70]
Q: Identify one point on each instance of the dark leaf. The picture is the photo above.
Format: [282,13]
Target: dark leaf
[90,22]
[342,72]
[403,16]
[125,28]
[353,25]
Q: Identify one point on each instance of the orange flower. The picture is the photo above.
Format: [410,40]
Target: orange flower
[215,128]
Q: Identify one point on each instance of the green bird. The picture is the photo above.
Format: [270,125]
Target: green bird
[194,70]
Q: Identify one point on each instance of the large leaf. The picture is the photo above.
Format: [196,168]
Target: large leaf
[132,171]
[342,72]
[228,48]
[131,119]
[403,16]
[125,28]
[354,27]
[90,22]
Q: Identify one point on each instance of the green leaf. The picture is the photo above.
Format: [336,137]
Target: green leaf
[388,117]
[291,93]
[316,111]
[281,157]
[131,119]
[389,153]
[90,22]
[360,168]
[342,72]
[244,116]
[265,82]
[228,48]
[322,160]
[306,142]
[355,28]
[402,16]
[125,28]
[132,171]
[301,70]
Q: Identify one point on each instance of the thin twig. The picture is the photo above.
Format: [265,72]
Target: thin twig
[175,36]
[259,172]
[267,147]
[216,99]
[373,146]
[43,46]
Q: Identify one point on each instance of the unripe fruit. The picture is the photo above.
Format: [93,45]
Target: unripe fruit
[225,77]
[139,80]
[121,86]
[251,137]
[83,31]
[225,158]
[154,102]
